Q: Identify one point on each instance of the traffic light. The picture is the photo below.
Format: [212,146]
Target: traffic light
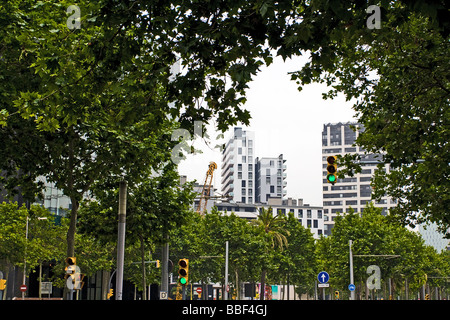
[110,293]
[427,296]
[70,265]
[158,263]
[2,284]
[70,261]
[331,169]
[336,295]
[183,271]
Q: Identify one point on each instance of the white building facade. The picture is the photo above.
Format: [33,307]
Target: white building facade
[238,167]
[354,192]
[270,178]
[310,217]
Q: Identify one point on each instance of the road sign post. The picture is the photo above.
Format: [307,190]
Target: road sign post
[163,295]
[352,293]
[23,289]
[323,278]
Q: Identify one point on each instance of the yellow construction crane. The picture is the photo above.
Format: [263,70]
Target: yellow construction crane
[206,188]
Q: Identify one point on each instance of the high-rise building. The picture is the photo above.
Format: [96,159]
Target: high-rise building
[270,178]
[355,192]
[238,167]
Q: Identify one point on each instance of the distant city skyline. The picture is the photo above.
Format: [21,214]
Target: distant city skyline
[285,121]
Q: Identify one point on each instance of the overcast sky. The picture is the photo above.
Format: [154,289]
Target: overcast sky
[284,121]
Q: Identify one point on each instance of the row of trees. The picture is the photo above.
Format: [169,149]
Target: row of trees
[384,238]
[271,249]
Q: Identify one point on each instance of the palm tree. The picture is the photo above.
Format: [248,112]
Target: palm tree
[274,227]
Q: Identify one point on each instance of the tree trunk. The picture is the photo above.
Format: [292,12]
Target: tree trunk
[238,294]
[72,228]
[263,285]
[144,284]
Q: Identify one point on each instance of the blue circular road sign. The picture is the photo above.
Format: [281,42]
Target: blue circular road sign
[351,287]
[323,277]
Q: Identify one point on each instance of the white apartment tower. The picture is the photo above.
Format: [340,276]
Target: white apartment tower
[238,167]
[270,178]
[355,192]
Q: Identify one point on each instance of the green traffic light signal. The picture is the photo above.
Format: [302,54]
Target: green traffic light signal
[331,169]
[183,270]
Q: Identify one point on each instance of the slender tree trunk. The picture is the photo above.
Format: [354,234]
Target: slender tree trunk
[238,294]
[72,228]
[263,285]
[70,185]
[144,284]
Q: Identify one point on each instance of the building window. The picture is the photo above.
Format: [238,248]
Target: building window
[300,213]
[250,167]
[243,191]
[315,223]
[319,214]
[243,183]
[332,203]
[239,167]
[308,213]
[272,189]
[239,150]
[244,159]
[243,200]
[308,223]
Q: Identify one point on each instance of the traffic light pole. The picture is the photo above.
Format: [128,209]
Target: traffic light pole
[225,294]
[165,268]
[121,238]
[183,292]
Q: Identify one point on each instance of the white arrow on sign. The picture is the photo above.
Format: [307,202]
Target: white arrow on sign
[323,277]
